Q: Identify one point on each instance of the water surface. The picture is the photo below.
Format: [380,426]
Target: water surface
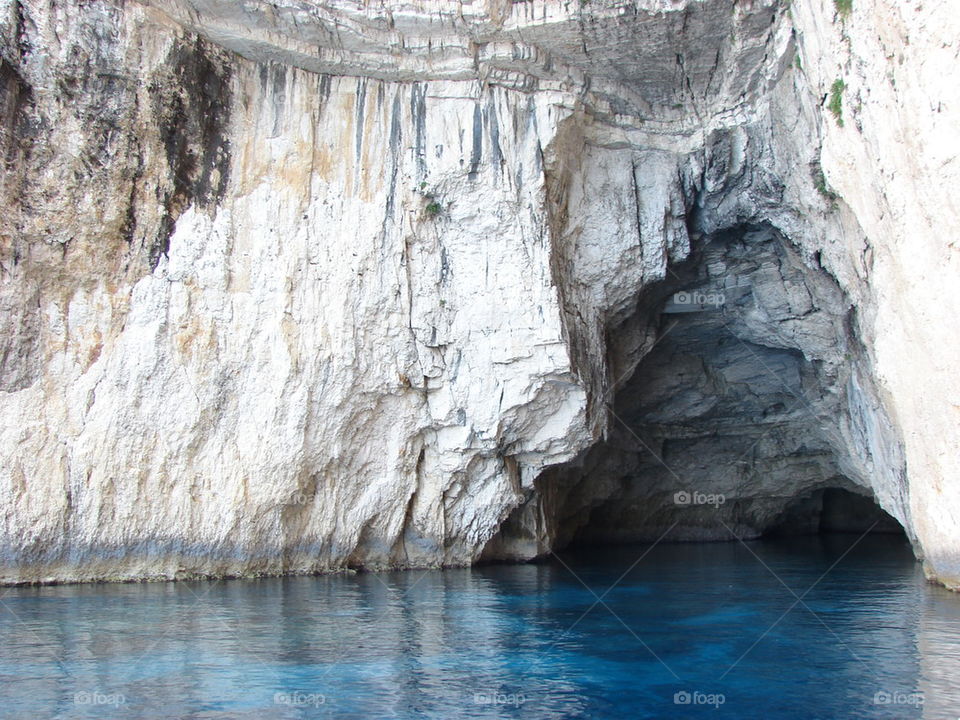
[799,628]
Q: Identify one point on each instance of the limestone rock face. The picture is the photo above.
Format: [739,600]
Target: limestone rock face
[296,287]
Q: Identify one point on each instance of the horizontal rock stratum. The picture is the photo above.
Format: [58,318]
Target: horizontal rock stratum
[304,286]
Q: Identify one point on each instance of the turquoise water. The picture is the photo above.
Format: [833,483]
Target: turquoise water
[691,631]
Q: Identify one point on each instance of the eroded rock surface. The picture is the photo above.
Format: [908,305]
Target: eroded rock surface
[294,287]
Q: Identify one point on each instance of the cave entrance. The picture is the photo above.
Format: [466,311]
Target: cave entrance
[834,510]
[748,410]
[831,510]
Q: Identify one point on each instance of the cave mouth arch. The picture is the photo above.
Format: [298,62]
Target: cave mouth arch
[748,409]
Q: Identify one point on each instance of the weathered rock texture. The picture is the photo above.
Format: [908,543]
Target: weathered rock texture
[294,287]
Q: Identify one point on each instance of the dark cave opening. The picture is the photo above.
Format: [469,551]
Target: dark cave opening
[826,511]
[834,510]
[744,413]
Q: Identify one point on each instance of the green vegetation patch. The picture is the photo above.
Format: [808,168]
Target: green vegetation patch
[820,182]
[835,105]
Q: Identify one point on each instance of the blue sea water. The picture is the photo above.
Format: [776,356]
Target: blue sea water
[792,628]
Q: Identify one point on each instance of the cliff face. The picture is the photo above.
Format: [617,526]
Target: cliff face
[296,287]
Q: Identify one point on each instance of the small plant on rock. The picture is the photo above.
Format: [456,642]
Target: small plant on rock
[433,208]
[820,182]
[835,105]
[844,8]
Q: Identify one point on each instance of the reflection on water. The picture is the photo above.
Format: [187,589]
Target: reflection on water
[773,630]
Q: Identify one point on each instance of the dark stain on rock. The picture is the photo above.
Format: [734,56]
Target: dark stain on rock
[324,88]
[396,136]
[191,102]
[23,47]
[129,228]
[16,110]
[361,113]
[493,125]
[278,87]
[476,154]
[20,342]
[418,113]
[20,126]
